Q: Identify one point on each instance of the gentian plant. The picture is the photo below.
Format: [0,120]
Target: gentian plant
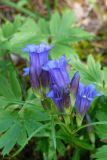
[54,109]
[53,74]
[59,110]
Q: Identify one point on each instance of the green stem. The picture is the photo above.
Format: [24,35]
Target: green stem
[91,124]
[48,7]
[79,120]
[67,116]
[19,8]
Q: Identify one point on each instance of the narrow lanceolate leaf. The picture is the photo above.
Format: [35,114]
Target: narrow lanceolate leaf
[72,139]
[53,133]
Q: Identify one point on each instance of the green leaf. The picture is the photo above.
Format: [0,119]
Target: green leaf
[105,80]
[7,29]
[27,34]
[19,127]
[10,92]
[11,126]
[6,120]
[22,3]
[9,139]
[76,154]
[5,88]
[2,38]
[95,69]
[29,26]
[44,26]
[61,49]
[79,33]
[90,72]
[53,134]
[55,23]
[23,136]
[18,22]
[20,40]
[67,21]
[105,74]
[101,153]
[73,140]
[60,147]
[33,116]
[101,115]
[81,143]
[13,79]
[9,84]
[4,102]
[37,130]
[32,110]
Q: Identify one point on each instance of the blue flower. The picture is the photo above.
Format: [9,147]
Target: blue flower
[38,57]
[74,84]
[60,97]
[58,72]
[60,81]
[85,96]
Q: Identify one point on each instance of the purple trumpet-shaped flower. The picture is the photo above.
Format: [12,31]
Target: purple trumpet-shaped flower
[60,81]
[58,72]
[85,96]
[38,57]
[74,84]
[61,98]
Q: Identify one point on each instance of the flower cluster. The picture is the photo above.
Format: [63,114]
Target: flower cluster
[53,73]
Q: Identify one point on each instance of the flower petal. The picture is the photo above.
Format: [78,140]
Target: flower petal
[74,84]
[58,72]
[26,71]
